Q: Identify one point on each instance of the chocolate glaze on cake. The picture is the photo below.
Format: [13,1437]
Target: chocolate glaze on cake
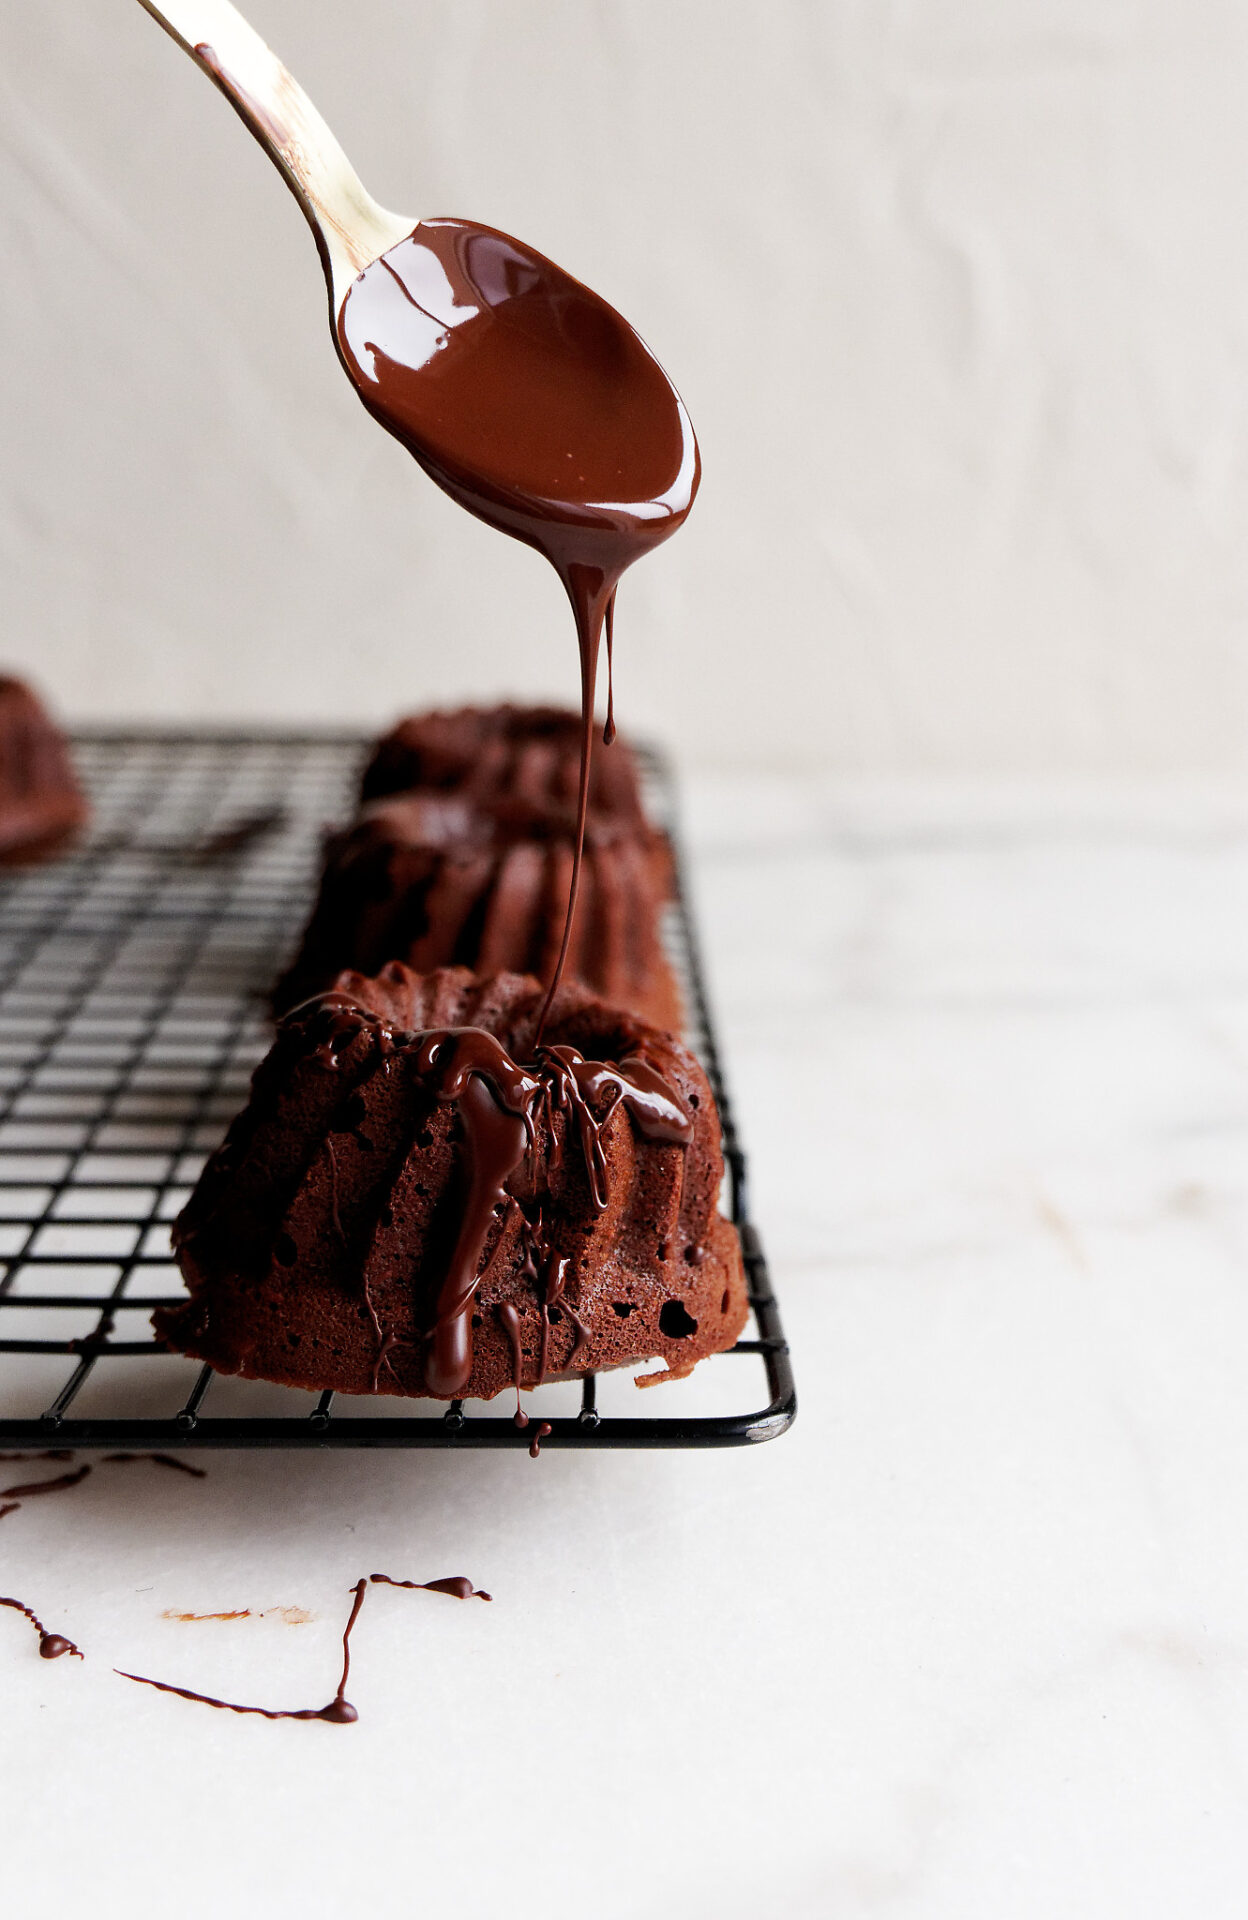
[530,755]
[403,1208]
[434,881]
[41,803]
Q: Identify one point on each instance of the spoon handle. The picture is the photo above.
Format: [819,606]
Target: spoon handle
[349,227]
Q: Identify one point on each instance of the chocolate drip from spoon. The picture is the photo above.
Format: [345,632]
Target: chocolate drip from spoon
[537,407]
[521,392]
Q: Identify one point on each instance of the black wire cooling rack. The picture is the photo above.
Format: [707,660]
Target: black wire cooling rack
[133,973]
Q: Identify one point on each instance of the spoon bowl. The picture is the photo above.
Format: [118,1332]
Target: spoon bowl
[524,395]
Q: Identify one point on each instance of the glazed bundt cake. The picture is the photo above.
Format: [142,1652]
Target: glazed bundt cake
[434,881]
[41,802]
[416,1201]
[529,754]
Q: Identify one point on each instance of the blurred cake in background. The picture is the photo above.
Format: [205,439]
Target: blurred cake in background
[440,879]
[41,802]
[506,752]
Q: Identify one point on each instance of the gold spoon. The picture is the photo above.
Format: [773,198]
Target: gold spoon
[349,227]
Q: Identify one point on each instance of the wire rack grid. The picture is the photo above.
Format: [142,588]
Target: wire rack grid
[133,975]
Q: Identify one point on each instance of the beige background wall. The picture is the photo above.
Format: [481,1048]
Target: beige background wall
[957,293]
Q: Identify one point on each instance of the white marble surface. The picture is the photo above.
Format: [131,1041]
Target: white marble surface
[969,1643]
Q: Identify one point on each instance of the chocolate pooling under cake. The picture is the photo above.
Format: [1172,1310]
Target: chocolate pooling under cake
[535,405]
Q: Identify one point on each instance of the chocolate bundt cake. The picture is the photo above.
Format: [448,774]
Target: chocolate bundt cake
[41,803]
[529,754]
[435,881]
[417,1201]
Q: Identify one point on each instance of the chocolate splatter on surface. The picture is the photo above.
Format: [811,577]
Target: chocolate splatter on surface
[338,1711]
[291,1616]
[456,1584]
[62,1482]
[240,1613]
[51,1645]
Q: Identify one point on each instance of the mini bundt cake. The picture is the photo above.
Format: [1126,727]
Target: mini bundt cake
[416,1201]
[530,754]
[434,881]
[41,803]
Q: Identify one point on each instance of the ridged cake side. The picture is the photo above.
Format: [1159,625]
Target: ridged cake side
[529,754]
[435,882]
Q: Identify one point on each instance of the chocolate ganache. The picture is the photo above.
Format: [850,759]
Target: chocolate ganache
[497,1101]
[533,404]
